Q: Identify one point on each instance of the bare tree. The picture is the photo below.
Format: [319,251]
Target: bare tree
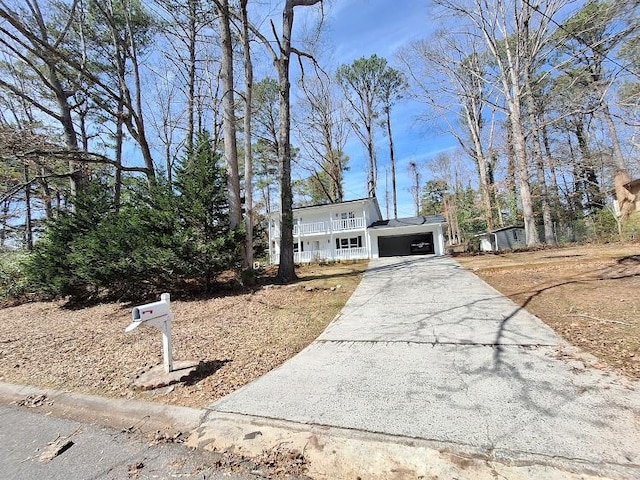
[27,39]
[362,85]
[323,129]
[450,77]
[281,58]
[514,34]
[393,86]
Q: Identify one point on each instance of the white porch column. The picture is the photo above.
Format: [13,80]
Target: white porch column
[332,239]
[300,238]
[440,240]
[367,240]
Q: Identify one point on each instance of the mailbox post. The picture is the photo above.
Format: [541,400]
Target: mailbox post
[159,315]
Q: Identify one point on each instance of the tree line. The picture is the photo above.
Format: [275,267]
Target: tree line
[543,98]
[106,107]
[119,114]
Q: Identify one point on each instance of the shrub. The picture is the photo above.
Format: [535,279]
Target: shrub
[13,283]
[158,240]
[605,227]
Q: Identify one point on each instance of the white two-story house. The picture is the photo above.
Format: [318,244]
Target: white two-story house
[354,230]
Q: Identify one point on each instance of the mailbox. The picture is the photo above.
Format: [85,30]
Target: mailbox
[150,311]
[157,314]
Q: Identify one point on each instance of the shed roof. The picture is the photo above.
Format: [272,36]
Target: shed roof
[408,221]
[496,230]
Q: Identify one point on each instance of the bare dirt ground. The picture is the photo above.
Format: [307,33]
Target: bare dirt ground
[237,337]
[588,294]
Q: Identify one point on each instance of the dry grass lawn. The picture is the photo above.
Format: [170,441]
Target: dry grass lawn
[238,337]
[588,294]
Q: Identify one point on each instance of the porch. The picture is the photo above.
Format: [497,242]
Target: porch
[327,255]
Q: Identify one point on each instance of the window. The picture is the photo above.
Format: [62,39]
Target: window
[515,234]
[353,242]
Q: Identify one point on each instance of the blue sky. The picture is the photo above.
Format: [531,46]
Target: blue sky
[360,28]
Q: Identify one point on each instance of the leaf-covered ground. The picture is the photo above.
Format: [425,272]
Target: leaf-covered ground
[237,337]
[588,294]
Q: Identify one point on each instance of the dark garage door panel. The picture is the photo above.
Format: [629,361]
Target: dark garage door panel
[400,245]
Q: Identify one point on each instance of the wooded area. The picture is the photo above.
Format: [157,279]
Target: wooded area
[136,142]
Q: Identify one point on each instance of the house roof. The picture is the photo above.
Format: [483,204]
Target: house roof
[346,202]
[373,200]
[408,222]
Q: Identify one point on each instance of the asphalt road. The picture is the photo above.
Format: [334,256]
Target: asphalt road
[96,453]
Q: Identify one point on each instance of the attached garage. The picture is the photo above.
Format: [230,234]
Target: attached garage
[399,245]
[407,236]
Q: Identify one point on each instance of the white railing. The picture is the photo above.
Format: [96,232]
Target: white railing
[312,256]
[315,228]
[309,228]
[327,255]
[351,253]
[348,224]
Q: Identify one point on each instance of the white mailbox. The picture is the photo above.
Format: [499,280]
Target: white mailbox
[157,314]
[147,312]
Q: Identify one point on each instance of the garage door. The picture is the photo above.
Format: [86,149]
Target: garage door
[399,245]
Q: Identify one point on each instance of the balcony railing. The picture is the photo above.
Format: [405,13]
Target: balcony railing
[321,228]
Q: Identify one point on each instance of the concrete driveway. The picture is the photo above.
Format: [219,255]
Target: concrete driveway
[426,350]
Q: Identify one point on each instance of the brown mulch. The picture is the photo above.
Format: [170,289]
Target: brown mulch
[589,294]
[237,337]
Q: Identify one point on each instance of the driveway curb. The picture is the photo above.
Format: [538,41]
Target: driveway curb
[341,454]
[116,413]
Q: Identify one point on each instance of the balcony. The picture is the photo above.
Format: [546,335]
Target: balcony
[324,228]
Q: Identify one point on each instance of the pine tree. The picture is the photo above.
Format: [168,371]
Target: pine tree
[204,211]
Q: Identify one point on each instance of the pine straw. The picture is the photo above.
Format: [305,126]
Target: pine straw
[589,294]
[238,337]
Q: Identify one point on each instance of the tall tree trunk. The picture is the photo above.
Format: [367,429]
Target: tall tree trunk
[138,115]
[28,228]
[286,268]
[229,119]
[117,182]
[551,164]
[393,164]
[522,169]
[549,236]
[512,191]
[248,157]
[373,164]
[46,194]
[192,74]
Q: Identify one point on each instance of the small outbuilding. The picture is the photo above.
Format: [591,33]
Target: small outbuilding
[506,238]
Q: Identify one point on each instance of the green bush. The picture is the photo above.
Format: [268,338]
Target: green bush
[605,227]
[13,283]
[158,240]
[631,229]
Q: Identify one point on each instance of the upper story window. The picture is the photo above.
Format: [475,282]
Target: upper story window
[345,215]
